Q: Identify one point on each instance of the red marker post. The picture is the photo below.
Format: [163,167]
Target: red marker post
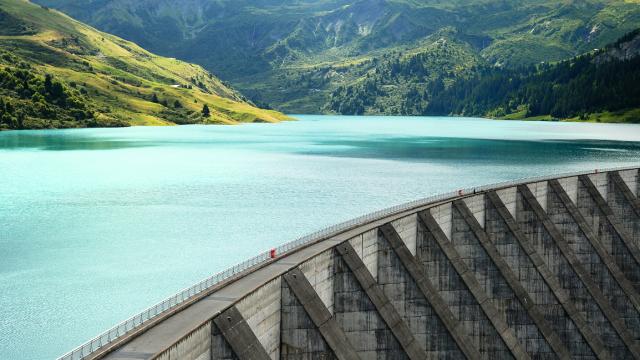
[272,253]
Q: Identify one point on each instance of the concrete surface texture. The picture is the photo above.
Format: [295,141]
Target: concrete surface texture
[541,270]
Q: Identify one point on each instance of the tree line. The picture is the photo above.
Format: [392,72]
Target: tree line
[596,82]
[25,95]
[424,84]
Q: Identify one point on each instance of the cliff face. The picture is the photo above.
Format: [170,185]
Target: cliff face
[626,48]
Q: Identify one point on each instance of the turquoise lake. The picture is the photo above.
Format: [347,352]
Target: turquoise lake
[98,224]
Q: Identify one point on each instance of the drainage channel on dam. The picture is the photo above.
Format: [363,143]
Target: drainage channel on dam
[539,268]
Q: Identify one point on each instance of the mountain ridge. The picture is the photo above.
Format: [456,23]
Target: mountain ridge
[286,54]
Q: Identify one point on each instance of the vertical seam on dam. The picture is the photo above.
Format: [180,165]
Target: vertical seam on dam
[609,214]
[550,279]
[521,294]
[382,304]
[320,315]
[626,208]
[621,233]
[628,194]
[506,334]
[608,261]
[581,272]
[429,292]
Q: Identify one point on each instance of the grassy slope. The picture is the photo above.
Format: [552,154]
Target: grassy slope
[121,77]
[564,30]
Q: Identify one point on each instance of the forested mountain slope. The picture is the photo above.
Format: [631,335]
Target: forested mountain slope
[300,55]
[57,72]
[603,85]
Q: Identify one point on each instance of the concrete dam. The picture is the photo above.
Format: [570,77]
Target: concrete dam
[547,268]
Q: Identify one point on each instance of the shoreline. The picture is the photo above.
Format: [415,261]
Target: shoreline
[631,116]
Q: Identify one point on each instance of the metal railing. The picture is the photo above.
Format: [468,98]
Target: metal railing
[172,303]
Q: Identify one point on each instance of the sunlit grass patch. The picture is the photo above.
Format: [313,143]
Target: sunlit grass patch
[119,80]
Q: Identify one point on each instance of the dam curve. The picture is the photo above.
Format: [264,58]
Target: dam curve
[545,268]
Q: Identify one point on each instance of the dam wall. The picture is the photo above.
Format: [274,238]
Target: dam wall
[540,269]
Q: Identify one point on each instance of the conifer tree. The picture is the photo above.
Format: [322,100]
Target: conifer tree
[205,111]
[48,79]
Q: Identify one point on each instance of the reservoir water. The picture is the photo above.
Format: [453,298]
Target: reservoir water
[98,224]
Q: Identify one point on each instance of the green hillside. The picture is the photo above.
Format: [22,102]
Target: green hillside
[305,55]
[402,82]
[57,72]
[598,86]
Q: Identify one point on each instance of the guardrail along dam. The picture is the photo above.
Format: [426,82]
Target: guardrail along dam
[548,268]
